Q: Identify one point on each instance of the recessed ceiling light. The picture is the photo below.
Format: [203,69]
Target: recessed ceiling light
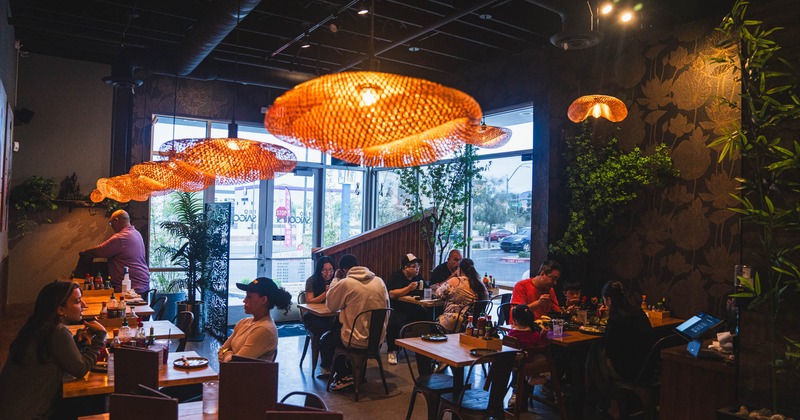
[485,16]
[607,8]
[413,49]
[626,17]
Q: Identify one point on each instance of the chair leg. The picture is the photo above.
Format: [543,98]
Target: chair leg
[305,348]
[314,354]
[383,376]
[432,402]
[359,370]
[411,404]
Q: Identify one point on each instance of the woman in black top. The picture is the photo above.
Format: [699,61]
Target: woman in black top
[316,291]
[628,335]
[44,350]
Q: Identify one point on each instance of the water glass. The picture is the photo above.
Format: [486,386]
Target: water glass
[558,327]
[583,316]
[163,347]
[427,294]
[210,397]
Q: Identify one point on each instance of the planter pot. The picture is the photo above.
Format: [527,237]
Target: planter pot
[199,319]
[171,310]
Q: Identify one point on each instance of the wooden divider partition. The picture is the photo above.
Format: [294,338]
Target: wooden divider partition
[381,249]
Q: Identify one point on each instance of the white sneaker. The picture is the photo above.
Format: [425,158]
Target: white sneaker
[512,402]
[392,357]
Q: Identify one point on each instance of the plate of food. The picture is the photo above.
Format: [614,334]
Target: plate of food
[482,352]
[592,329]
[434,337]
[190,362]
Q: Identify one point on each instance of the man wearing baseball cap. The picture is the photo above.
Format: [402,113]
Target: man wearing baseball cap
[360,290]
[402,282]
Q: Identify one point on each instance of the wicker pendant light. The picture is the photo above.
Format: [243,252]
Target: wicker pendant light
[231,161]
[176,175]
[124,188]
[597,106]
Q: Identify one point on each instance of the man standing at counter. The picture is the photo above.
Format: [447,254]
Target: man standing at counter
[537,292]
[125,248]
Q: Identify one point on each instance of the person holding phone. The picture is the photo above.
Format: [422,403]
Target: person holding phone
[45,349]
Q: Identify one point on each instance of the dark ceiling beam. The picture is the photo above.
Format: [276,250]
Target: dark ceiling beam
[422,31]
[219,20]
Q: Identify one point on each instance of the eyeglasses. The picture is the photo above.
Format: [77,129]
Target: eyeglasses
[327,270]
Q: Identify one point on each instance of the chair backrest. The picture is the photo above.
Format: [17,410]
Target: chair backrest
[148,404]
[301,297]
[184,321]
[482,306]
[133,367]
[503,363]
[159,306]
[150,296]
[651,365]
[311,400]
[475,309]
[417,329]
[247,388]
[504,313]
[287,412]
[377,318]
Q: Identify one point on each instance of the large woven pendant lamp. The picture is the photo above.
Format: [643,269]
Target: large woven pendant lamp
[377,119]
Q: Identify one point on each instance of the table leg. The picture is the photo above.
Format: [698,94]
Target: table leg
[458,379]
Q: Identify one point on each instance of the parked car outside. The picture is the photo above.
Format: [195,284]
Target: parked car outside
[520,241]
[498,234]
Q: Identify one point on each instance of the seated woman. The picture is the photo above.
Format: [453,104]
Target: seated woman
[462,289]
[316,292]
[45,349]
[628,335]
[257,337]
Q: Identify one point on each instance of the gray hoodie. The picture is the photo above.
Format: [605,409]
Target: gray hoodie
[361,290]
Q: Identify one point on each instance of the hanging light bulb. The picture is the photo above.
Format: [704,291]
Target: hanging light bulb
[597,106]
[369,94]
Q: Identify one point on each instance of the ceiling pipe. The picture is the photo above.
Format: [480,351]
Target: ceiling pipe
[207,33]
[422,31]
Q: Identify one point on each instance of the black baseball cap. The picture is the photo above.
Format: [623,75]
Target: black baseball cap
[262,285]
[409,259]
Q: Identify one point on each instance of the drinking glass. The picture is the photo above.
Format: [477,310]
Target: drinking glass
[210,397]
[161,345]
[558,327]
[583,316]
[427,293]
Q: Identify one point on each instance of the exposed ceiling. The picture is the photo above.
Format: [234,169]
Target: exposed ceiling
[197,38]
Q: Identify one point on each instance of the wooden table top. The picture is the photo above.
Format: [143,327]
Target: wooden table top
[576,338]
[162,329]
[452,352]
[424,303]
[95,383]
[93,309]
[318,309]
[186,411]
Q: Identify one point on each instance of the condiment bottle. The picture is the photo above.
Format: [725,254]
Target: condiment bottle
[141,338]
[98,281]
[486,279]
[470,327]
[126,281]
[126,334]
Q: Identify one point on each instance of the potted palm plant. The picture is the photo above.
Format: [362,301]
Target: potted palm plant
[198,243]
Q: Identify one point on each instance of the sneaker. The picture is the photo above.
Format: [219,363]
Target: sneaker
[324,373]
[392,357]
[342,383]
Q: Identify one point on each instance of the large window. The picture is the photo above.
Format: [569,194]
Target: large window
[499,230]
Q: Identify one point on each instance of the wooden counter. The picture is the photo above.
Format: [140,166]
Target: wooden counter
[694,388]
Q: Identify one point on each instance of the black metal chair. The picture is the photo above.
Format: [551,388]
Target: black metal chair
[449,415]
[646,385]
[159,306]
[184,321]
[311,399]
[504,313]
[310,337]
[475,309]
[431,385]
[358,357]
[526,367]
[150,295]
[482,402]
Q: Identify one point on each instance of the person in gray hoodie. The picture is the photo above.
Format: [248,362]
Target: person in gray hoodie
[359,290]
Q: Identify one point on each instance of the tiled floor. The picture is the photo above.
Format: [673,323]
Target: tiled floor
[373,402]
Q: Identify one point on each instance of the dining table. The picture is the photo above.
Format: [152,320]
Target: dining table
[98,383]
[451,351]
[318,309]
[161,330]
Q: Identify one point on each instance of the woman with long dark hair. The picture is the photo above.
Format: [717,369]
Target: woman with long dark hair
[317,284]
[45,349]
[462,289]
[628,335]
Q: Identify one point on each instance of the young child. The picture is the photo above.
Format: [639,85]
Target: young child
[530,335]
[572,293]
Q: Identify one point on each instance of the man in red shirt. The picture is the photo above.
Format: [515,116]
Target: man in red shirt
[537,292]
